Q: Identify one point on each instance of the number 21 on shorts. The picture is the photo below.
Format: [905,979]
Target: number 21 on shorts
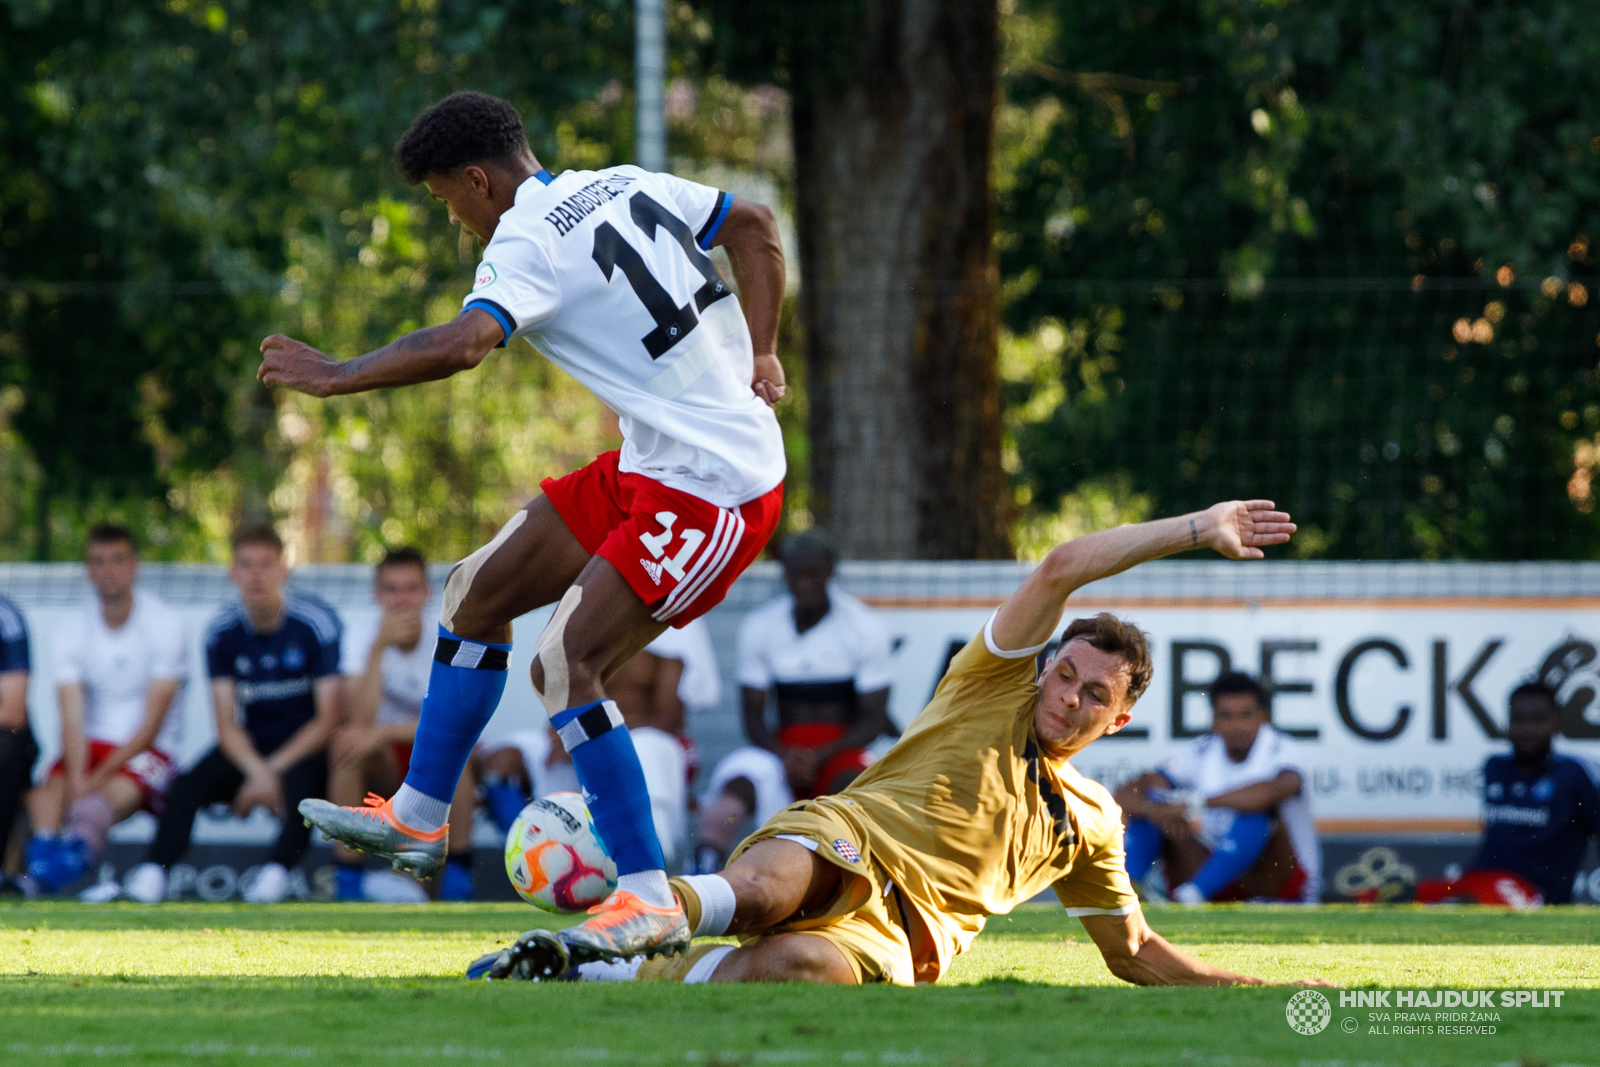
[657,545]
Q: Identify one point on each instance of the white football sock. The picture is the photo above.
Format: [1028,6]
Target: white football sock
[420,811]
[706,965]
[610,970]
[649,886]
[717,904]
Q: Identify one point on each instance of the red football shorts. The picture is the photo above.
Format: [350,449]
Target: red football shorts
[151,770]
[679,553]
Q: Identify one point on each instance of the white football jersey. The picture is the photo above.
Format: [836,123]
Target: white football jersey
[405,674]
[1204,766]
[849,644]
[606,273]
[116,667]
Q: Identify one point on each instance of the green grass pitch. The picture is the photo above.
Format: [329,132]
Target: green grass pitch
[306,983]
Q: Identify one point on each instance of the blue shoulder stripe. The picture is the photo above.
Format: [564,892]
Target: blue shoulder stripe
[507,321]
[315,613]
[719,214]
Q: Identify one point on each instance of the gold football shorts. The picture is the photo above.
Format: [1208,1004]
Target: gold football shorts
[863,919]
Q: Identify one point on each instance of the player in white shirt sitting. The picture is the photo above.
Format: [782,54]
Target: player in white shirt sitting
[823,657]
[1229,812]
[608,274]
[386,662]
[120,662]
[676,673]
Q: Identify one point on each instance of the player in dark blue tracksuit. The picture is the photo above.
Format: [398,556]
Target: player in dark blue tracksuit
[1540,807]
[273,661]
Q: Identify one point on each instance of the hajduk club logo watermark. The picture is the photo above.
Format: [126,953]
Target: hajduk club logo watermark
[1421,1012]
[1308,1012]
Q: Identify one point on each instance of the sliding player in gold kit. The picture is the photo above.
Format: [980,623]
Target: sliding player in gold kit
[975,810]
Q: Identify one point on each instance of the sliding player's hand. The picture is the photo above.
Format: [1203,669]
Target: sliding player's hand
[1241,528]
[296,365]
[768,381]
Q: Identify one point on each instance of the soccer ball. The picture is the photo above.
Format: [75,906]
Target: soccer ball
[554,857]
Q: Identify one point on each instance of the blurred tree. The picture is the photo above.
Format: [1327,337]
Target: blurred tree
[162,167]
[892,110]
[1339,254]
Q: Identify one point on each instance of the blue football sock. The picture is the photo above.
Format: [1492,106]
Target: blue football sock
[463,691]
[1235,851]
[347,882]
[505,799]
[1142,841]
[608,769]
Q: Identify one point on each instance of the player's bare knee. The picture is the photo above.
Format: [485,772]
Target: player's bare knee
[798,958]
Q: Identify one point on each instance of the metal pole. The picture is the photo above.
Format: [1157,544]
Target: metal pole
[650,71]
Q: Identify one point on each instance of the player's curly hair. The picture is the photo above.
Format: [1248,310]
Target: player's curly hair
[1110,634]
[463,128]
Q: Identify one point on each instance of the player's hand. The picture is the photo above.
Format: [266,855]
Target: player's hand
[800,767]
[400,629]
[1241,528]
[1172,820]
[264,790]
[768,382]
[296,365]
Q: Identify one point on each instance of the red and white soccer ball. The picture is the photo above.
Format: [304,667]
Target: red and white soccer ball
[554,857]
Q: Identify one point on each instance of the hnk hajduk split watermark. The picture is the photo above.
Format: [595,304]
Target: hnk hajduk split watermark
[1415,1012]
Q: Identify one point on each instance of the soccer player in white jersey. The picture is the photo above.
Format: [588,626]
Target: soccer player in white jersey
[120,662]
[1229,810]
[607,274]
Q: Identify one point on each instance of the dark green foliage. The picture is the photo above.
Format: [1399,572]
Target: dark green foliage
[1275,231]
[157,162]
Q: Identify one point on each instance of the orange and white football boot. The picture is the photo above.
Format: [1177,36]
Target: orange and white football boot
[373,828]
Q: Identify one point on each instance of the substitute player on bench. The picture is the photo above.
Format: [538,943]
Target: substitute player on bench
[823,656]
[974,811]
[606,272]
[120,662]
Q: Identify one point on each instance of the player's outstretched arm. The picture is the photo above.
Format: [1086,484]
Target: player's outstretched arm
[1137,954]
[420,356]
[1239,529]
[750,237]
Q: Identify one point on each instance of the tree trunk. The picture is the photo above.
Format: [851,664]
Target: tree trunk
[899,285]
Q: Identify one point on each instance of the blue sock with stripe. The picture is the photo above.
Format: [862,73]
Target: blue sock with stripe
[463,690]
[613,783]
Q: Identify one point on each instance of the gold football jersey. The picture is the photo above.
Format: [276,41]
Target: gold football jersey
[970,819]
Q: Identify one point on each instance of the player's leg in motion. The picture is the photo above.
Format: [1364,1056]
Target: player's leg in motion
[768,884]
[529,563]
[599,625]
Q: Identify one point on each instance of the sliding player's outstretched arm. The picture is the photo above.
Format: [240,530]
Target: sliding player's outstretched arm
[1238,529]
[1135,953]
[425,355]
